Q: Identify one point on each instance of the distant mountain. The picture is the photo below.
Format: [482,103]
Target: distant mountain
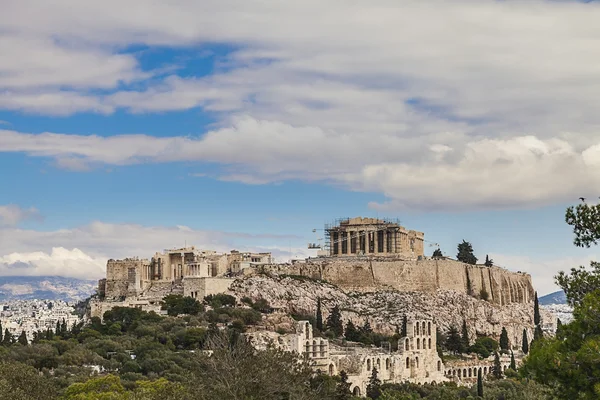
[45,288]
[553,298]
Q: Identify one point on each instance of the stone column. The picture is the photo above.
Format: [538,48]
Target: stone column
[376,241]
[385,240]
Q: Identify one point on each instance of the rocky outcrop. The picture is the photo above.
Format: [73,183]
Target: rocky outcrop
[427,275]
[385,308]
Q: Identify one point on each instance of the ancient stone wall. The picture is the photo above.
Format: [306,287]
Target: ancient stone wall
[199,288]
[427,275]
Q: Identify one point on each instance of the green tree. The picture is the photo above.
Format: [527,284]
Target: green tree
[342,390]
[8,338]
[488,261]
[334,322]
[465,253]
[479,383]
[437,253]
[537,319]
[513,364]
[366,328]
[538,333]
[454,342]
[497,366]
[319,316]
[484,346]
[351,333]
[23,339]
[22,382]
[63,327]
[107,387]
[504,340]
[464,336]
[525,344]
[374,385]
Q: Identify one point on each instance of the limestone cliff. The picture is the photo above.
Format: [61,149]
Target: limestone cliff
[385,309]
[427,275]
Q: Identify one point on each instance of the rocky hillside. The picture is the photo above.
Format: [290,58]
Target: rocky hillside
[385,309]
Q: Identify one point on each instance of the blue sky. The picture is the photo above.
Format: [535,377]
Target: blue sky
[128,128]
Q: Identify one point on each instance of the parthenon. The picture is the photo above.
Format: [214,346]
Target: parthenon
[371,236]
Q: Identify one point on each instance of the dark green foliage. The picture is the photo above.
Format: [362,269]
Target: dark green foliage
[437,253]
[585,220]
[351,333]
[176,304]
[8,338]
[488,261]
[334,322]
[319,316]
[465,253]
[464,335]
[497,366]
[479,383]
[513,364]
[374,385]
[537,319]
[262,305]
[504,340]
[484,295]
[23,339]
[440,342]
[219,300]
[454,342]
[538,333]
[484,346]
[403,331]
[525,344]
[342,390]
[366,328]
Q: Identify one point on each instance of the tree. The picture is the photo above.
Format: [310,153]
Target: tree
[334,322]
[488,261]
[464,336]
[465,253]
[57,331]
[8,338]
[538,333]
[176,304]
[342,390]
[319,316]
[374,385]
[479,383]
[513,364]
[537,319]
[63,327]
[351,333]
[437,253]
[454,342]
[525,344]
[484,346]
[23,339]
[504,340]
[403,331]
[497,366]
[366,328]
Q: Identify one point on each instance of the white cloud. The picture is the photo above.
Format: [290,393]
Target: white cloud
[12,214]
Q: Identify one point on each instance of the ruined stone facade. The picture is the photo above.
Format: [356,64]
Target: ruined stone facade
[416,359]
[372,237]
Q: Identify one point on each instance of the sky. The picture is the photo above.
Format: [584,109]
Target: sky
[131,127]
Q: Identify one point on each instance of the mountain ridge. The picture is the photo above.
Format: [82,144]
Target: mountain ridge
[45,288]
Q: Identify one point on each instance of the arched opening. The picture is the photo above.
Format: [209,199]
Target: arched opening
[308,348]
[369,364]
[418,344]
[331,369]
[429,328]
[417,362]
[453,372]
[459,373]
[406,345]
[315,348]
[423,328]
[464,373]
[505,368]
[407,363]
[323,349]
[480,370]
[470,372]
[387,363]
[439,363]
[429,343]
[356,391]
[418,332]
[378,364]
[485,370]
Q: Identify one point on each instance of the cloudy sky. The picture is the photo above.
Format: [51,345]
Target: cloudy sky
[129,127]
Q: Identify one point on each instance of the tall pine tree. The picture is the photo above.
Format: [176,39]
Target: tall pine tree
[351,333]
[497,366]
[464,337]
[334,322]
[374,386]
[479,383]
[319,316]
[504,340]
[454,341]
[23,339]
[465,253]
[513,364]
[525,344]
[537,319]
[404,331]
[8,339]
[342,390]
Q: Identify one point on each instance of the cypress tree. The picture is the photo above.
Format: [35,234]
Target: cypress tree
[374,386]
[454,341]
[319,316]
[334,322]
[351,333]
[525,345]
[497,366]
[63,327]
[558,326]
[57,329]
[464,337]
[504,340]
[0,332]
[404,331]
[342,390]
[8,339]
[23,339]
[513,364]
[538,333]
[537,319]
[366,329]
[479,384]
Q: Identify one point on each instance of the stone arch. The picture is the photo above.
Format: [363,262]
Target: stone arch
[464,372]
[505,368]
[429,343]
[418,328]
[439,365]
[315,347]
[485,370]
[480,370]
[368,364]
[418,343]
[453,372]
[378,364]
[423,328]
[356,391]
[459,373]
[470,372]
[406,345]
[429,328]
[331,369]
[417,362]
[387,363]
[407,363]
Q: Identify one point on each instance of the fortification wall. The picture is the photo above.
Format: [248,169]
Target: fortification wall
[199,288]
[428,275]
